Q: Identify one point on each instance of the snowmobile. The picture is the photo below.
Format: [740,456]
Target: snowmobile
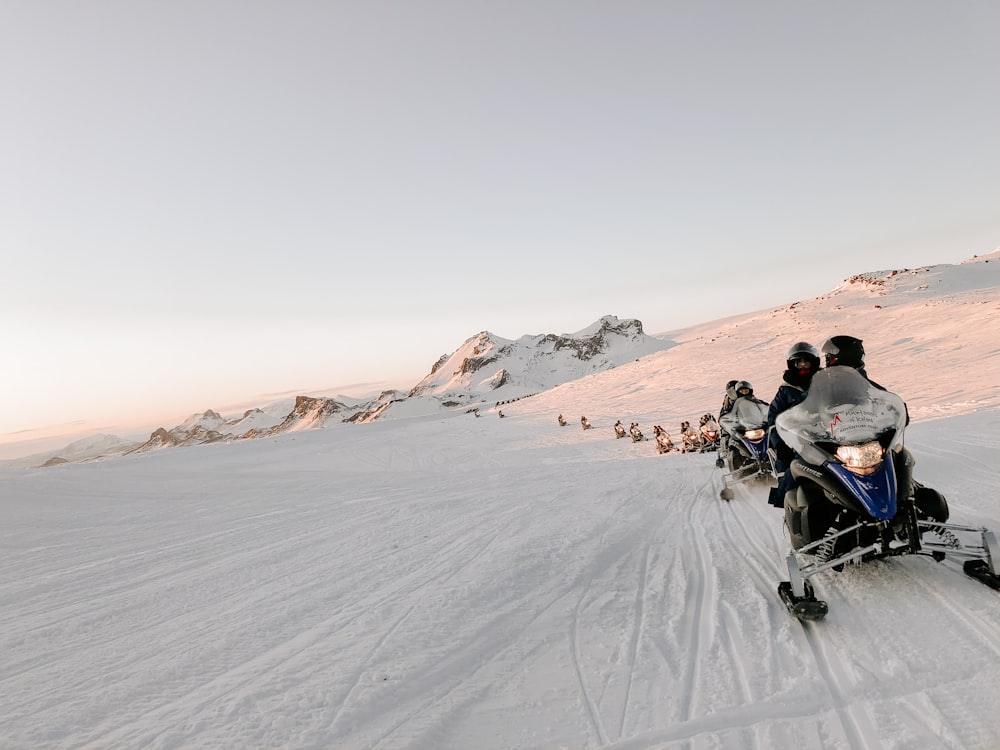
[690,440]
[562,422]
[636,433]
[709,429]
[746,456]
[585,423]
[855,499]
[619,430]
[663,442]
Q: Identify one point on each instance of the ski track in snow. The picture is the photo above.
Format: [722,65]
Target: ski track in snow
[538,589]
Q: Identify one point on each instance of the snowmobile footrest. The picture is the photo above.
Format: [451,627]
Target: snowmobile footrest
[980,570]
[806,607]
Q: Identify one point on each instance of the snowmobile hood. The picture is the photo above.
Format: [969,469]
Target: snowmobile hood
[876,492]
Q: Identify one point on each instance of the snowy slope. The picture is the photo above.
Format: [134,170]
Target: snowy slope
[472,583]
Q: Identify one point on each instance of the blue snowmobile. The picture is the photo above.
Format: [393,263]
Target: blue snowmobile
[855,499]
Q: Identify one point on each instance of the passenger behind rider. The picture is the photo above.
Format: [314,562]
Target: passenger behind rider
[849,351]
[801,363]
[735,390]
[745,390]
[728,399]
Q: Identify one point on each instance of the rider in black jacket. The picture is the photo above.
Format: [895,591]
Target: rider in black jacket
[802,362]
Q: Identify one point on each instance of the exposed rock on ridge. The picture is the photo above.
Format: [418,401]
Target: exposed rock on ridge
[489,367]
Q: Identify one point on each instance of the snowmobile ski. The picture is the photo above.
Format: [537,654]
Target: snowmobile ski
[980,570]
[806,607]
[984,551]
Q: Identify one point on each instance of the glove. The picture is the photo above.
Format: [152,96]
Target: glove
[784,453]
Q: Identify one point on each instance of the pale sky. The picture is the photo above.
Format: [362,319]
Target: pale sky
[205,204]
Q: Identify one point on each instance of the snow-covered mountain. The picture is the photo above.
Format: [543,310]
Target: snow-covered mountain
[306,413]
[487,370]
[92,446]
[488,367]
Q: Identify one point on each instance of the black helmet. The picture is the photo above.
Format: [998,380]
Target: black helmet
[802,350]
[743,385]
[844,350]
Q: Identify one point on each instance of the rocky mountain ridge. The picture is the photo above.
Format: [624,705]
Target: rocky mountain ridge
[488,366]
[485,368]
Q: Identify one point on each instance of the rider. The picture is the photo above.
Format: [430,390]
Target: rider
[743,390]
[801,363]
[849,351]
[728,399]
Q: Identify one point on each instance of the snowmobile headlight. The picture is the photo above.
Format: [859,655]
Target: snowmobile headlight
[861,459]
[754,434]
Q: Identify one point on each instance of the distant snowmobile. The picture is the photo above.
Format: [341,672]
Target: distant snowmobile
[853,499]
[619,430]
[585,423]
[636,433]
[745,456]
[709,430]
[663,442]
[690,440]
[562,422]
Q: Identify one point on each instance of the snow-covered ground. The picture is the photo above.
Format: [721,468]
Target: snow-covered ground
[462,582]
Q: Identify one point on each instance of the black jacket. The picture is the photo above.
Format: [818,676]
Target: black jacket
[792,392]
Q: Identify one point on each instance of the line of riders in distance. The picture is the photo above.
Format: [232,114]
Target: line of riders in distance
[705,438]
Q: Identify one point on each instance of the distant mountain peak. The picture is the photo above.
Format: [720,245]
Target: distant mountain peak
[487,366]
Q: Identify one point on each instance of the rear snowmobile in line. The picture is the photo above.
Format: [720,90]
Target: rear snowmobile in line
[745,456]
[855,498]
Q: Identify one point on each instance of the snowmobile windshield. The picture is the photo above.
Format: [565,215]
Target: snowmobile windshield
[746,414]
[842,408]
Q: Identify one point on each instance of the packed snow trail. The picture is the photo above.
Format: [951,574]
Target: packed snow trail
[456,583]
